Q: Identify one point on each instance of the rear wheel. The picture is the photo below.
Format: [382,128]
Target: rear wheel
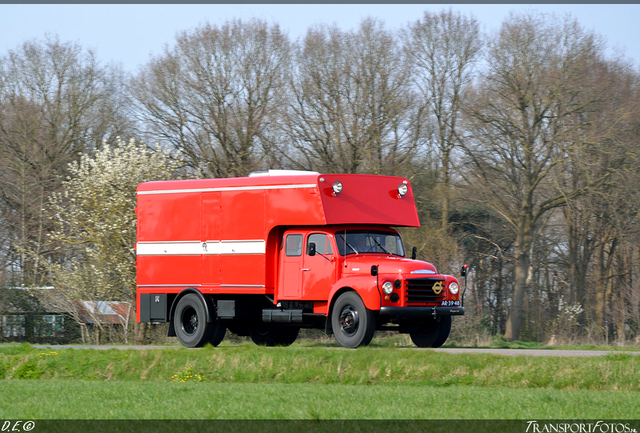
[353,324]
[432,333]
[218,330]
[190,321]
[271,334]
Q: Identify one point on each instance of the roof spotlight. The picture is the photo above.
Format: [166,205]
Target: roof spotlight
[337,187]
[403,189]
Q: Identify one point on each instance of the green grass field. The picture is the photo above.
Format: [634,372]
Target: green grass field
[243,381]
[79,399]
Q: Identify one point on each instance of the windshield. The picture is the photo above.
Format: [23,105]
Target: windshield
[369,241]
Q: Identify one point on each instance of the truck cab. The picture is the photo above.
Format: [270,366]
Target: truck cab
[320,263]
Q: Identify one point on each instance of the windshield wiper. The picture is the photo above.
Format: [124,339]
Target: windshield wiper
[378,244]
[349,245]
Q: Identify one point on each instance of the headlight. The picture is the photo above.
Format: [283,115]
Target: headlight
[403,189]
[337,187]
[387,287]
[453,288]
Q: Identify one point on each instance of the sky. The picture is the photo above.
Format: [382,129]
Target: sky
[129,34]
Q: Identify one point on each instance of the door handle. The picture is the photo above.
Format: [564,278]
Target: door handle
[306,269]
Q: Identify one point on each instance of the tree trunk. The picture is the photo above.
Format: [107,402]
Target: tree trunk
[514,321]
[498,320]
[445,190]
[523,249]
[603,283]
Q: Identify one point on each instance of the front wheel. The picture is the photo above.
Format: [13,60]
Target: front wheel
[445,330]
[353,324]
[431,333]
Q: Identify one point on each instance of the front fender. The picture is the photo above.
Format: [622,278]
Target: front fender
[365,286]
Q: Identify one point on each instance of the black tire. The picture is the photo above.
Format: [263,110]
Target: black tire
[445,330]
[218,330]
[353,324]
[190,322]
[432,333]
[271,334]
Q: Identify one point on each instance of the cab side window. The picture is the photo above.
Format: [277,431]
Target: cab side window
[293,245]
[323,245]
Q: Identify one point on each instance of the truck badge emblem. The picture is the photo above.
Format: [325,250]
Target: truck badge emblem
[437,287]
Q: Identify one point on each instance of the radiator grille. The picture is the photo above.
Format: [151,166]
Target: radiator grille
[420,291]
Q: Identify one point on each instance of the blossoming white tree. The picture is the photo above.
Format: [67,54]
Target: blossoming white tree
[95,222]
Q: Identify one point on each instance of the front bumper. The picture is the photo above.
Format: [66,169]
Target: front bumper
[421,311]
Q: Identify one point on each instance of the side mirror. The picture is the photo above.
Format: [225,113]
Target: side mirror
[414,253]
[311,249]
[463,272]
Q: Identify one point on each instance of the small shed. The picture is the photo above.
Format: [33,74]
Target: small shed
[33,315]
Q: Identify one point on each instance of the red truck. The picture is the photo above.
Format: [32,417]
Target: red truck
[269,254]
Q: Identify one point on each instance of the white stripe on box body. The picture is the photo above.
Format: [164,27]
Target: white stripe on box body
[242,247]
[196,248]
[185,248]
[228,188]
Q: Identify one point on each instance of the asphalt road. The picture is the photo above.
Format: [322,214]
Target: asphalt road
[537,352]
[457,351]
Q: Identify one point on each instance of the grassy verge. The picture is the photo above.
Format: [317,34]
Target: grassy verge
[245,363]
[75,399]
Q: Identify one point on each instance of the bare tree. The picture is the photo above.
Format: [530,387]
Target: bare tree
[443,49]
[528,116]
[215,94]
[55,102]
[600,224]
[351,105]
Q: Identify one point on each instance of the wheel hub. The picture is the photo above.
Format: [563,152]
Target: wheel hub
[349,320]
[190,321]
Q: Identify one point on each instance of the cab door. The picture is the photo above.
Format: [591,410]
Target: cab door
[319,269]
[290,275]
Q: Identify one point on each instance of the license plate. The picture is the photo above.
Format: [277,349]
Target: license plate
[450,303]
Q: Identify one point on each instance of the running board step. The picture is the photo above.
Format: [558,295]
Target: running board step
[290,316]
[282,316]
